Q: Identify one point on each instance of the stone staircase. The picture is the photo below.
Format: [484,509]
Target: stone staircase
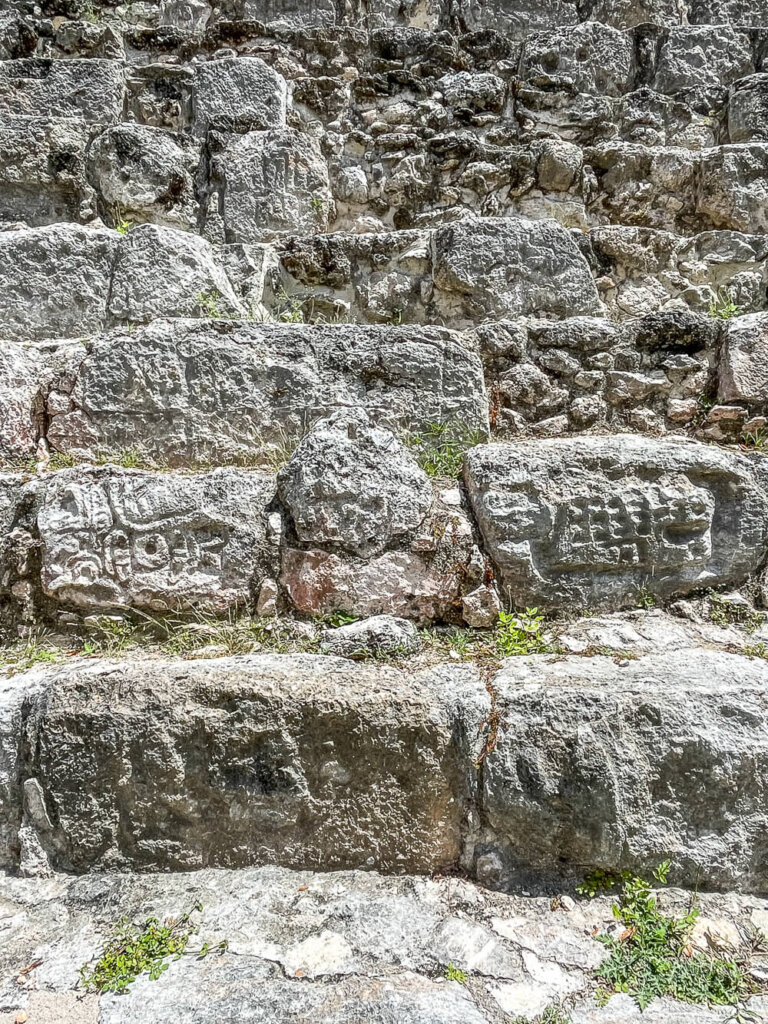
[329,331]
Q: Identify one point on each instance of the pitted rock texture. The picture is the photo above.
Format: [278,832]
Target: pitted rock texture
[297,760]
[631,741]
[353,486]
[303,760]
[593,522]
[340,946]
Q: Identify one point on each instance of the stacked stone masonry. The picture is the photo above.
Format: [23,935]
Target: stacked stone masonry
[255,256]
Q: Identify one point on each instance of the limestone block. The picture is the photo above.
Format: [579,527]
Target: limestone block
[589,522]
[90,89]
[238,94]
[273,181]
[190,392]
[116,538]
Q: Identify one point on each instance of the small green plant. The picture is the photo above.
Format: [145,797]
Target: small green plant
[550,1015]
[440,449]
[34,650]
[730,613]
[123,227]
[397,318]
[520,633]
[111,636]
[455,974]
[757,439]
[722,307]
[89,12]
[653,956]
[208,304]
[596,882]
[62,460]
[132,950]
[335,619]
[645,599]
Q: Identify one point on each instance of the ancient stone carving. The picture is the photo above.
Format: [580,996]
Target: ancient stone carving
[592,522]
[117,538]
[191,391]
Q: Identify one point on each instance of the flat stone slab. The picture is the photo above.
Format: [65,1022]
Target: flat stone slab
[303,760]
[345,947]
[191,391]
[594,522]
[612,761]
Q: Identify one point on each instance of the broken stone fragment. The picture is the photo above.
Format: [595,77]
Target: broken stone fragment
[380,634]
[353,486]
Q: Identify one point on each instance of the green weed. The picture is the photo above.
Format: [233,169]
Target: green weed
[757,439]
[62,460]
[723,307]
[653,957]
[147,949]
[455,974]
[440,449]
[520,633]
[34,650]
[550,1015]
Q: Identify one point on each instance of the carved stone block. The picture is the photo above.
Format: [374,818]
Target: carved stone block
[121,538]
[592,522]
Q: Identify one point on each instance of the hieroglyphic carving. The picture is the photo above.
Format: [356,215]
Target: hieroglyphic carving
[592,521]
[118,538]
[652,527]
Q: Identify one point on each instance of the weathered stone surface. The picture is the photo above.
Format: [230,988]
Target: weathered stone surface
[380,634]
[272,182]
[54,281]
[123,538]
[369,948]
[354,487]
[734,186]
[511,268]
[91,89]
[702,60]
[191,391]
[660,757]
[748,109]
[145,173]
[583,58]
[240,95]
[304,761]
[21,401]
[589,522]
[743,367]
[162,272]
[42,170]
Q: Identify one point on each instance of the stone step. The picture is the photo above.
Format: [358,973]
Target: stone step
[352,523]
[192,392]
[548,767]
[342,947]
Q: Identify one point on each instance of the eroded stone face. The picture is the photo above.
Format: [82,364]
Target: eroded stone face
[639,749]
[592,522]
[255,760]
[274,181]
[122,538]
[192,391]
[91,89]
[54,281]
[241,94]
[744,360]
[512,268]
[354,487]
